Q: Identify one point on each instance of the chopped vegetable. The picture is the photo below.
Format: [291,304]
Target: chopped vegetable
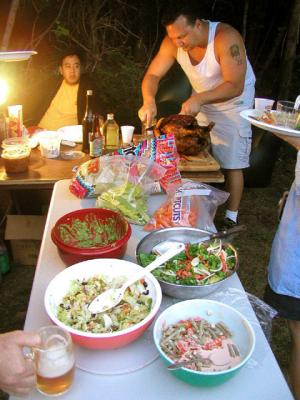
[90,232]
[73,309]
[129,199]
[196,340]
[199,264]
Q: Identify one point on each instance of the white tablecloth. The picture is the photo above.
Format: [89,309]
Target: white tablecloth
[260,378]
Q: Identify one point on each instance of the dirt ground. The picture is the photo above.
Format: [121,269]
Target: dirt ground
[258,211]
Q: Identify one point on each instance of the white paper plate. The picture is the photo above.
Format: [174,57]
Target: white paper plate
[250,116]
[73,133]
[16,55]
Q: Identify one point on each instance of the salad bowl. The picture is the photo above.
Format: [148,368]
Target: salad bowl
[90,233]
[186,235]
[67,298]
[214,312]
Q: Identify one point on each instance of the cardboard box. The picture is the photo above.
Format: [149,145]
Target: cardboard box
[25,233]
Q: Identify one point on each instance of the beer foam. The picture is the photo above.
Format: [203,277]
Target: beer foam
[55,363]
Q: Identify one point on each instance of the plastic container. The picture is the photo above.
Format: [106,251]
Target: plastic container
[49,143]
[16,154]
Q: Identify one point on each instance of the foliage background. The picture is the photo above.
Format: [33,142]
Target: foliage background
[120,37]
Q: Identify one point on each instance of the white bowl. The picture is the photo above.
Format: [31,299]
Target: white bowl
[110,268]
[213,311]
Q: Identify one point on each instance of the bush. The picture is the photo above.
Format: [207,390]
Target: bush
[118,80]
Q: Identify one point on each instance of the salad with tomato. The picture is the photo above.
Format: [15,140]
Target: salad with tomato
[198,264]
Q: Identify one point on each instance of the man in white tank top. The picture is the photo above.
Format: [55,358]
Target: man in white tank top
[214,59]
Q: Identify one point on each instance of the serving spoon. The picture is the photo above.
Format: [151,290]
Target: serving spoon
[111,297]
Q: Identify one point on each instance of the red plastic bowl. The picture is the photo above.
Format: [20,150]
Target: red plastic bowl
[110,268]
[72,255]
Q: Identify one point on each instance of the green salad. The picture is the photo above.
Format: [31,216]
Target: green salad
[199,264]
[90,232]
[73,309]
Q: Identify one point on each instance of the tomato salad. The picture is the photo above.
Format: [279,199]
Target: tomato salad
[199,264]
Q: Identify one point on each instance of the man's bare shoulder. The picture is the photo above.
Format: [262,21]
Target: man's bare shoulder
[168,47]
[226,32]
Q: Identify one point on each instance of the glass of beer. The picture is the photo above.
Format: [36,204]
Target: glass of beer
[54,361]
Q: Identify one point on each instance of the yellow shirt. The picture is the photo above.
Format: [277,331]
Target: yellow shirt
[63,108]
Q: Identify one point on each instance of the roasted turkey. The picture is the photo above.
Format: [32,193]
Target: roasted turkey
[189,136]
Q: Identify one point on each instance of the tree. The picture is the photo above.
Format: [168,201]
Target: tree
[289,55]
[9,24]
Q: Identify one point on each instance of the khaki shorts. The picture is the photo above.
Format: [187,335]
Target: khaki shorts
[231,139]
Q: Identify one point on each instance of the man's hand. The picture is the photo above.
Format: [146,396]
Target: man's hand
[191,106]
[147,113]
[17,374]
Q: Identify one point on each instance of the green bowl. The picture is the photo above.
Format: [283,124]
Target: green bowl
[212,311]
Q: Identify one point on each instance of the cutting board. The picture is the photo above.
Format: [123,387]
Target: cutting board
[203,161]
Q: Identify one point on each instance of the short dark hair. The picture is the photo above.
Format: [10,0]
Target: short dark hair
[175,8]
[71,52]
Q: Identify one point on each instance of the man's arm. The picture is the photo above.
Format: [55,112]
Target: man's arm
[292,140]
[159,66]
[230,53]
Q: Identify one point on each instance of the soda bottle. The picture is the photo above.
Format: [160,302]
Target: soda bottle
[4,260]
[96,138]
[87,122]
[111,133]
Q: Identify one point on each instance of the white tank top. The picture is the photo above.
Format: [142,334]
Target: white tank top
[207,75]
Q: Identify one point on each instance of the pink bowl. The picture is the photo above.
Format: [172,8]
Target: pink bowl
[60,285]
[70,254]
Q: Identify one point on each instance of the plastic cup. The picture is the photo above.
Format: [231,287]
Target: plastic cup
[49,143]
[263,104]
[286,114]
[127,133]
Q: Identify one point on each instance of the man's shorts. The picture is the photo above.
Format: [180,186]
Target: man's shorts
[231,139]
[288,307]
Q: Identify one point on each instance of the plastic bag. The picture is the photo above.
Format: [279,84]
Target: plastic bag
[163,151]
[263,312]
[191,204]
[100,174]
[123,183]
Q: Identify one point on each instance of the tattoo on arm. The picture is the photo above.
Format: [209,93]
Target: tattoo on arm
[235,54]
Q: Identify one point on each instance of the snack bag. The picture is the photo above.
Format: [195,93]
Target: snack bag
[163,151]
[191,204]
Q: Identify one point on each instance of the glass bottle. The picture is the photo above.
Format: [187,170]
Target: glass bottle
[4,260]
[96,138]
[87,122]
[111,133]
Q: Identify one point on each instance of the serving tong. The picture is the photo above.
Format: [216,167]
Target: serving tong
[162,247]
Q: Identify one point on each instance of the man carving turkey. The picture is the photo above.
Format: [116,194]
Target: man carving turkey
[213,57]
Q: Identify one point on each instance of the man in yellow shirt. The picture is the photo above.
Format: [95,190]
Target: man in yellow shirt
[62,101]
